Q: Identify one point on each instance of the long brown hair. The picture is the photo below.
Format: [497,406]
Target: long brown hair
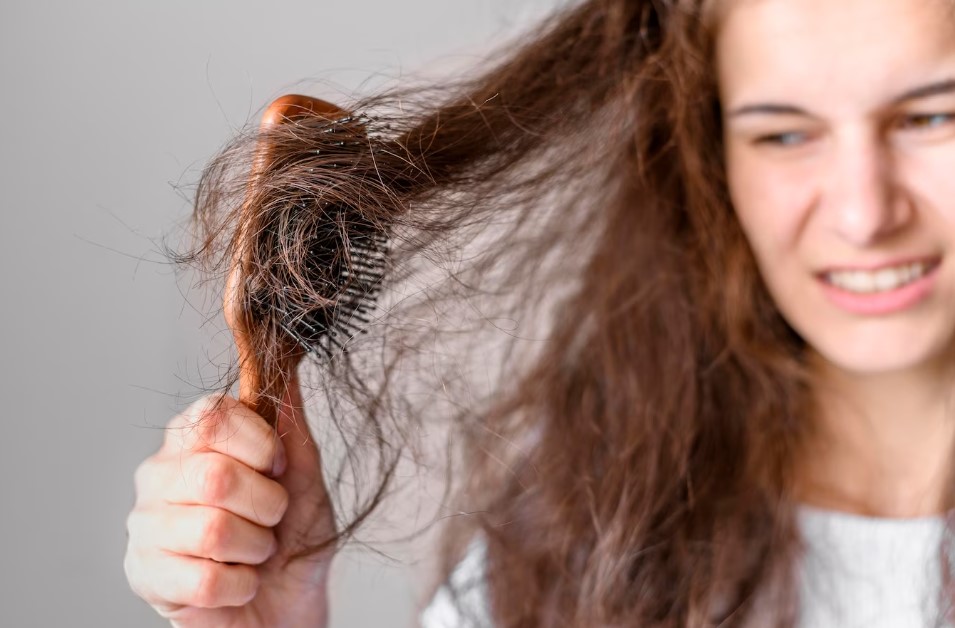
[625,398]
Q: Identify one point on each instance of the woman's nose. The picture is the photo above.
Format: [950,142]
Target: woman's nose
[864,200]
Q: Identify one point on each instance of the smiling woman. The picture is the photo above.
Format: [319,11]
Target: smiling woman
[739,216]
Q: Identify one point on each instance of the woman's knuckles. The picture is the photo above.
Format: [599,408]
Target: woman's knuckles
[226,538]
[210,479]
[226,425]
[217,585]
[173,582]
[216,536]
[216,480]
[223,482]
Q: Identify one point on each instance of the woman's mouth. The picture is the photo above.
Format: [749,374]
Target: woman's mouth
[881,290]
[882,280]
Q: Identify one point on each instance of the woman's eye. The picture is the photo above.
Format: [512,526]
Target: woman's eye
[792,138]
[926,121]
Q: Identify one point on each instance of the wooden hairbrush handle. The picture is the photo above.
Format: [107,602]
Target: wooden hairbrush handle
[284,110]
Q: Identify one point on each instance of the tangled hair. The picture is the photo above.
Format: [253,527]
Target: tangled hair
[630,458]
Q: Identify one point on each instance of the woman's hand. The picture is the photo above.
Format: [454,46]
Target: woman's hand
[220,508]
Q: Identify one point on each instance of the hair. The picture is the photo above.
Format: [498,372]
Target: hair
[632,458]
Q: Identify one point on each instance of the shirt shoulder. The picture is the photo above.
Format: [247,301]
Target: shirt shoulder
[462,602]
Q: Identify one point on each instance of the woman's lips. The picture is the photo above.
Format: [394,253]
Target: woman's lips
[858,290]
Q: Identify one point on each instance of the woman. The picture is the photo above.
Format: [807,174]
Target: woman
[740,413]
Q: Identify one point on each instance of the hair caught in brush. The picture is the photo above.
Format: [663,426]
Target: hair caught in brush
[622,393]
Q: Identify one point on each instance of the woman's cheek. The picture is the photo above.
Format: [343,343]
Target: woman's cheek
[933,179]
[771,210]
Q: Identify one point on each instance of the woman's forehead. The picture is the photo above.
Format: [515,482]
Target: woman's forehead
[784,48]
[810,16]
[717,10]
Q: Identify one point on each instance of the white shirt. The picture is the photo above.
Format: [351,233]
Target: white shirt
[858,572]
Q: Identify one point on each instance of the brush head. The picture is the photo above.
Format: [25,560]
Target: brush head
[345,266]
[343,252]
[308,262]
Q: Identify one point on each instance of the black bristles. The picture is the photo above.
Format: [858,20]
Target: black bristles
[346,252]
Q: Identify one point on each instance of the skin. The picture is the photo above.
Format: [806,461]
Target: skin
[839,132]
[219,508]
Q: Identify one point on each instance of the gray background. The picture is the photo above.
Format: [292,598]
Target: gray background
[109,110]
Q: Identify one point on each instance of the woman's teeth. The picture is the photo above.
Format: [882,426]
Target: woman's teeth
[883,280]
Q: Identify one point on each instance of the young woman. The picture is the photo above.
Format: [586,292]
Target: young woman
[743,212]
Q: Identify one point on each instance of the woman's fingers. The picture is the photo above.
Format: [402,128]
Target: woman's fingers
[215,522]
[202,532]
[210,478]
[221,423]
[170,581]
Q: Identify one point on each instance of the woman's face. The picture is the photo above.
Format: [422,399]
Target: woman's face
[839,120]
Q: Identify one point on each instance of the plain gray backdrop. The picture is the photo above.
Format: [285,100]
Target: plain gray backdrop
[109,110]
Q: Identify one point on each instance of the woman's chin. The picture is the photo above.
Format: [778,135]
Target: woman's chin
[890,354]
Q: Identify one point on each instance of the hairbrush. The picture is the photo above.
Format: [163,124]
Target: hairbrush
[340,252]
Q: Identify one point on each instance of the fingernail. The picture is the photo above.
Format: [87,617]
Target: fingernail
[280,460]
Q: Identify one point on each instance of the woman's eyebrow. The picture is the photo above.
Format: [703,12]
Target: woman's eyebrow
[768,108]
[946,86]
[937,88]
